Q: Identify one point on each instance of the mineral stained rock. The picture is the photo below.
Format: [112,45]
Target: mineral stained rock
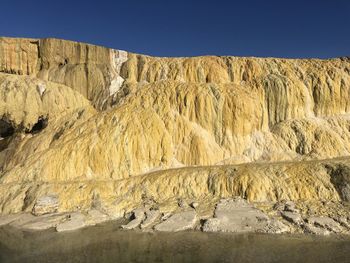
[111,129]
[45,205]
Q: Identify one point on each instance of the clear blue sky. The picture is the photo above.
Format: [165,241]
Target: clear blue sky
[293,28]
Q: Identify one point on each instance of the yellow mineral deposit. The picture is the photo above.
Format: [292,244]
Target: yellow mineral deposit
[88,124]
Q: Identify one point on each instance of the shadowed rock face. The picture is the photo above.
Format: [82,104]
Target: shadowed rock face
[105,126]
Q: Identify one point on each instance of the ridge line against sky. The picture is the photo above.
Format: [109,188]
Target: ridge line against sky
[271,28]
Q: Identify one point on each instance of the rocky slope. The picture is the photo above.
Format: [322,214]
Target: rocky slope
[97,127]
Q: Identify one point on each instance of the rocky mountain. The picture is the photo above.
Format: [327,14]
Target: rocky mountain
[98,127]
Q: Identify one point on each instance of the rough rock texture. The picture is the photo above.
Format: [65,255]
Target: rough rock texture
[137,218]
[178,222]
[105,128]
[151,217]
[236,216]
[45,205]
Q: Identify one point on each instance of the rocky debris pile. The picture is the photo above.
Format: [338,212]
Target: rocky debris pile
[235,215]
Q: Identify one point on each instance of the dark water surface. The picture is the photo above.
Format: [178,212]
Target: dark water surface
[106,243]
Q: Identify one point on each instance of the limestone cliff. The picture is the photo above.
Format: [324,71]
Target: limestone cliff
[89,124]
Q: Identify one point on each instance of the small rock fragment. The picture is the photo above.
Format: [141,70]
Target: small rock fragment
[165,216]
[194,205]
[138,217]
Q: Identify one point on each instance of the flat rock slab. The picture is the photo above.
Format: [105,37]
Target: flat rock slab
[178,222]
[325,222]
[44,222]
[96,217]
[22,220]
[76,221]
[8,219]
[151,217]
[292,217]
[236,215]
[311,229]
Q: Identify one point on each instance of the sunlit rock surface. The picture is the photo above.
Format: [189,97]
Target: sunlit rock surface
[108,129]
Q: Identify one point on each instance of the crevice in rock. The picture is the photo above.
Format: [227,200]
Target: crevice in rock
[39,126]
[6,129]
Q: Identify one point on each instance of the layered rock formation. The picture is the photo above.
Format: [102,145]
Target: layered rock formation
[104,128]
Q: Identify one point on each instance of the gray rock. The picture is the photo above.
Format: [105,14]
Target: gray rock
[46,205]
[151,217]
[138,217]
[75,221]
[310,229]
[279,206]
[343,221]
[289,206]
[8,219]
[165,216]
[292,217]
[236,215]
[325,223]
[285,206]
[275,227]
[22,220]
[44,222]
[178,222]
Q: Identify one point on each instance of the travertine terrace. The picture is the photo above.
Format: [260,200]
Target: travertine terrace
[97,127]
